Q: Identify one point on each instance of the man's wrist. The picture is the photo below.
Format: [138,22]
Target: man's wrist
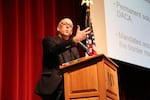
[74,39]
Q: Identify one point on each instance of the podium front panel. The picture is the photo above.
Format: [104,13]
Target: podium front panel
[91,79]
[82,82]
[92,98]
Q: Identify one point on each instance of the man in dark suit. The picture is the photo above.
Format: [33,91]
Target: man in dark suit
[56,51]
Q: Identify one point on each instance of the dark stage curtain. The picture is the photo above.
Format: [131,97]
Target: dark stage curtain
[23,24]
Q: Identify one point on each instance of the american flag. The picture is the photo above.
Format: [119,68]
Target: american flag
[90,39]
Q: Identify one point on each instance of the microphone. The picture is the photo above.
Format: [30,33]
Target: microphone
[87,49]
[84,47]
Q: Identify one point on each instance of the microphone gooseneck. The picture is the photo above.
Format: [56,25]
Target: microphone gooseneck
[84,47]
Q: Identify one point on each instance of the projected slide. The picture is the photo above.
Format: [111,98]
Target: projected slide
[127,25]
[128,30]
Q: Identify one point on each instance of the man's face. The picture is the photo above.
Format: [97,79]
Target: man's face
[65,28]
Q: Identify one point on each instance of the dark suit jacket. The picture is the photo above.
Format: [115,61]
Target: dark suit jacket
[55,52]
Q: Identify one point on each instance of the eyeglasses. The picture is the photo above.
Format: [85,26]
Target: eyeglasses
[67,24]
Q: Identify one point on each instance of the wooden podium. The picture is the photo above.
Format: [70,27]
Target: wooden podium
[91,78]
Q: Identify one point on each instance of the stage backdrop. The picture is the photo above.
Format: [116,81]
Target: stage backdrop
[23,24]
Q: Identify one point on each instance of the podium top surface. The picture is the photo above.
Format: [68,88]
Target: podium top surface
[86,58]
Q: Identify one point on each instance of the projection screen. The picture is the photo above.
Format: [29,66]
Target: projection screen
[122,29]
